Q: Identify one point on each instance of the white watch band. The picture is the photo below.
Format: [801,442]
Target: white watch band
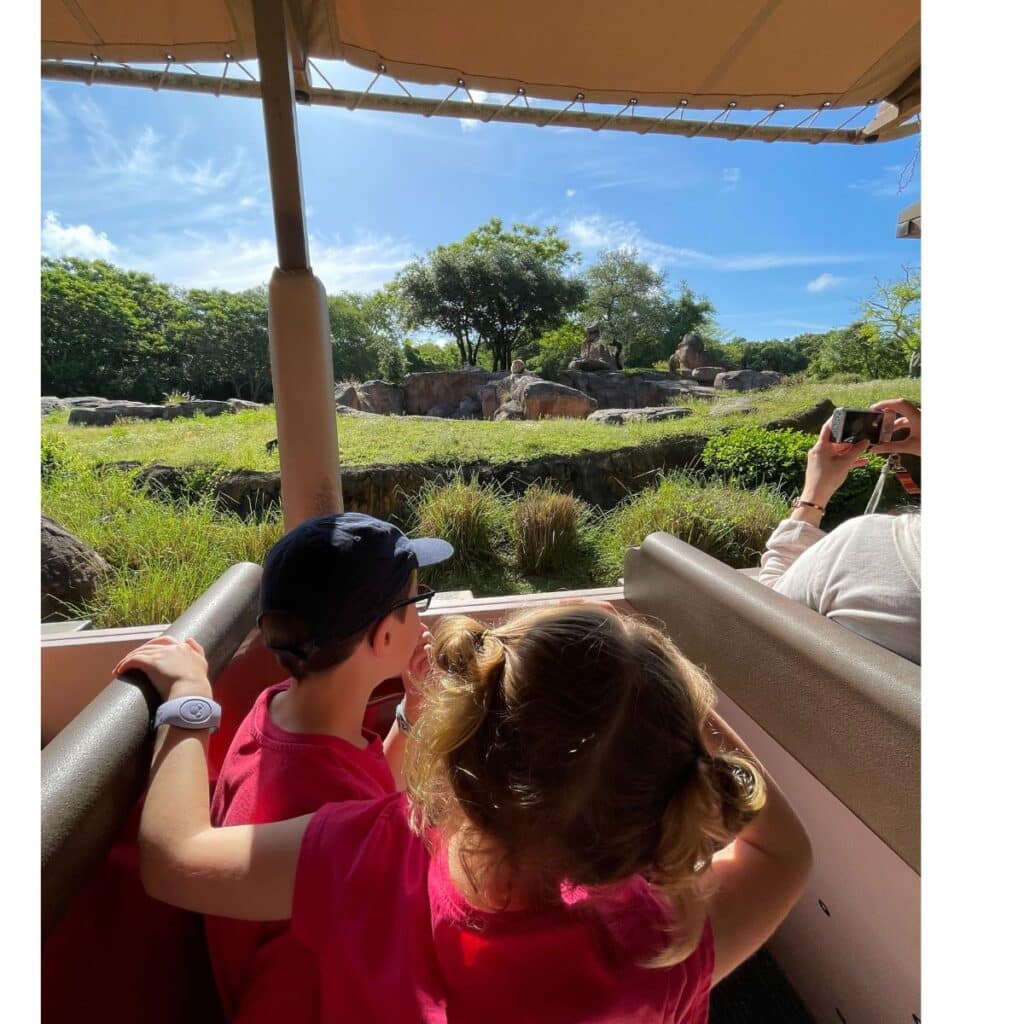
[188,713]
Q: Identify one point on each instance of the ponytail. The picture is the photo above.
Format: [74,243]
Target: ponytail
[717,796]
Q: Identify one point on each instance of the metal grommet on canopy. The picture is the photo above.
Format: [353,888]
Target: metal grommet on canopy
[558,113]
[680,106]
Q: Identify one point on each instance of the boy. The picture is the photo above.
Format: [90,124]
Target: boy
[339,604]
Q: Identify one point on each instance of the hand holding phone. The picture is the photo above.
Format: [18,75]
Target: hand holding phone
[850,426]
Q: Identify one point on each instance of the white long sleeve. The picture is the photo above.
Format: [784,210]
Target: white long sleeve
[865,575]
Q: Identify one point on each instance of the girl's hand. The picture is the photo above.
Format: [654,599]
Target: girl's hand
[417,674]
[175,668]
[908,417]
[828,466]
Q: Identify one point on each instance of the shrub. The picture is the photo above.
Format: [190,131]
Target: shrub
[555,350]
[545,529]
[470,516]
[174,397]
[57,456]
[753,456]
[729,522]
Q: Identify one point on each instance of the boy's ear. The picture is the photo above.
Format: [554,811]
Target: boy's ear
[379,636]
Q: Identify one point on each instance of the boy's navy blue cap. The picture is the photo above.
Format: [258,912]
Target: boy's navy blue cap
[339,573]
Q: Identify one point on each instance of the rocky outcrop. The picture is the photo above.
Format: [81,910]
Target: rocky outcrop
[629,390]
[545,400]
[747,380]
[425,391]
[241,405]
[510,411]
[381,397]
[620,416]
[70,569]
[189,409]
[706,374]
[345,395]
[110,412]
[50,403]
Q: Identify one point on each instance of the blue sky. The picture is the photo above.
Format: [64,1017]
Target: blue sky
[783,238]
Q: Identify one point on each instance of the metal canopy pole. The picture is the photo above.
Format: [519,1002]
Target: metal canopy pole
[301,364]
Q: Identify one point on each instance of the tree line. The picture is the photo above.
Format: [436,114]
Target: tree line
[497,295]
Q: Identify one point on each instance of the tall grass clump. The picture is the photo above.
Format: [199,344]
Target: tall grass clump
[729,522]
[162,555]
[546,529]
[471,516]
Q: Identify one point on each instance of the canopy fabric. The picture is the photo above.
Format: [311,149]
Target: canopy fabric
[755,55]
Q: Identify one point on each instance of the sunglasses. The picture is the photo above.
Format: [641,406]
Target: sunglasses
[422,598]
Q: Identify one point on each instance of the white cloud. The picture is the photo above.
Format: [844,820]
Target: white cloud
[803,325]
[74,240]
[730,179]
[196,260]
[595,232]
[205,177]
[569,193]
[887,184]
[823,282]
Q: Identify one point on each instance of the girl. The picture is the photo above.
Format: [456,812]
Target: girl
[582,838]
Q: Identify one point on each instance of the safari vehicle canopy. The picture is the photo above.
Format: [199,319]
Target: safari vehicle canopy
[834,718]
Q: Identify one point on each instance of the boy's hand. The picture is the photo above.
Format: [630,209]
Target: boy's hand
[413,678]
[176,669]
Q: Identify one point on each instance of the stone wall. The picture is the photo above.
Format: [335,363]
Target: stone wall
[600,478]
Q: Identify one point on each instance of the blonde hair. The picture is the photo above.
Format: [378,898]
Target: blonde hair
[567,743]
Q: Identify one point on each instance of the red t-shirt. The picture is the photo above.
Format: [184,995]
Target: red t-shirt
[269,774]
[398,943]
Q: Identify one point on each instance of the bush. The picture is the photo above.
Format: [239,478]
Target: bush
[729,522]
[58,457]
[470,516]
[753,457]
[555,350]
[545,529]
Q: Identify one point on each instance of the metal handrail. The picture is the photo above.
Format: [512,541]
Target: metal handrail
[95,769]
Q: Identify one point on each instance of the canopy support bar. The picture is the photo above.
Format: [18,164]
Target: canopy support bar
[277,87]
[509,113]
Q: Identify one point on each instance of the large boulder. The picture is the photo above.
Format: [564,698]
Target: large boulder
[241,405]
[470,408]
[706,374]
[381,397]
[545,400]
[747,380]
[71,570]
[85,402]
[444,411]
[510,411]
[50,403]
[620,416]
[346,395]
[106,415]
[189,409]
[629,390]
[424,391]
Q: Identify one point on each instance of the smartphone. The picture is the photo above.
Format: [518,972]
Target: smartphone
[852,425]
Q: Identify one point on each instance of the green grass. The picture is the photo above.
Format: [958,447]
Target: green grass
[238,441]
[162,556]
[724,520]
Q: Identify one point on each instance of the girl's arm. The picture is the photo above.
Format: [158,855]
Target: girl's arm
[245,871]
[760,875]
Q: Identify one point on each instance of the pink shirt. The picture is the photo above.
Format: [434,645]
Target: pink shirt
[396,941]
[269,774]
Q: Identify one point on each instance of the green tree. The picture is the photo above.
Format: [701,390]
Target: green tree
[497,288]
[631,297]
[555,350]
[891,321]
[223,344]
[428,356]
[105,330]
[365,336]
